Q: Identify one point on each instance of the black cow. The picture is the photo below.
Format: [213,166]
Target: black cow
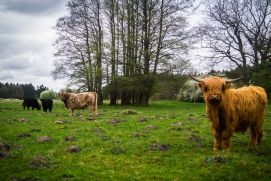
[31,102]
[47,104]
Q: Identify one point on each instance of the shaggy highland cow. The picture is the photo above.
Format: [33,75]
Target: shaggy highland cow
[82,100]
[233,110]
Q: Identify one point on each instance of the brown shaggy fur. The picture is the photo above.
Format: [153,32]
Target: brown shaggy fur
[233,110]
[83,100]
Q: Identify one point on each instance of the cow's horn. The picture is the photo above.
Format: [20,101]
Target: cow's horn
[234,80]
[198,80]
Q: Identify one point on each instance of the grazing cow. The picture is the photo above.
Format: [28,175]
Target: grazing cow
[233,110]
[31,102]
[83,100]
[47,104]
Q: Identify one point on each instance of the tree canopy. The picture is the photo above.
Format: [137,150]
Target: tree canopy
[116,44]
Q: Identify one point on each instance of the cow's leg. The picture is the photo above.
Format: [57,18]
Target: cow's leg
[226,140]
[254,137]
[217,142]
[260,135]
[71,112]
[260,129]
[92,112]
[256,134]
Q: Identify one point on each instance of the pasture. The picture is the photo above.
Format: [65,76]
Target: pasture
[165,141]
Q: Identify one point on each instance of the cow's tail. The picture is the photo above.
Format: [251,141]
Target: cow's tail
[96,104]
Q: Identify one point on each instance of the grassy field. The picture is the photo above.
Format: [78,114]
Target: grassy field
[165,141]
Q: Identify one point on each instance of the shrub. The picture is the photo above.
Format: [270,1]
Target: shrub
[48,94]
[190,92]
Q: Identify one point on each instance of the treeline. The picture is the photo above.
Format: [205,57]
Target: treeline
[20,91]
[122,45]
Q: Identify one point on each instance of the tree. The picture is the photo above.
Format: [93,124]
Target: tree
[40,89]
[29,91]
[121,42]
[150,33]
[262,77]
[238,32]
[79,46]
[4,92]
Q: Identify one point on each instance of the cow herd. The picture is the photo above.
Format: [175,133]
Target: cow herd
[228,109]
[71,101]
[47,104]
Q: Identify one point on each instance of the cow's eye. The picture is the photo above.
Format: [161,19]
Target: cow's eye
[205,89]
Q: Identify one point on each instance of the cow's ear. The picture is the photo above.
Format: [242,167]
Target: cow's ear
[226,86]
[200,85]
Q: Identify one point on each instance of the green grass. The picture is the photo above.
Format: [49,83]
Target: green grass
[165,141]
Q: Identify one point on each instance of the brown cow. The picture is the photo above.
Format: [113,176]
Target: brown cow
[233,110]
[83,100]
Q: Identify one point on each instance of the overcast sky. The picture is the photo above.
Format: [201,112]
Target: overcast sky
[26,38]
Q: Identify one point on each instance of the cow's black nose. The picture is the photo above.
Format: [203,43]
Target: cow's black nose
[214,99]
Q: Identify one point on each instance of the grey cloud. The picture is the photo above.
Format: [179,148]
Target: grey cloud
[6,76]
[26,38]
[30,6]
[15,63]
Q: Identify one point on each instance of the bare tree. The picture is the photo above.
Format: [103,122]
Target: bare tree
[238,31]
[79,46]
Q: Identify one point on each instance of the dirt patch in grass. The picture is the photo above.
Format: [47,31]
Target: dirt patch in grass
[195,138]
[139,134]
[4,147]
[115,121]
[69,138]
[177,124]
[61,121]
[23,120]
[216,160]
[23,135]
[73,149]
[159,147]
[4,155]
[190,117]
[128,112]
[40,162]
[44,139]
[144,119]
[117,150]
[198,141]
[35,130]
[152,127]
